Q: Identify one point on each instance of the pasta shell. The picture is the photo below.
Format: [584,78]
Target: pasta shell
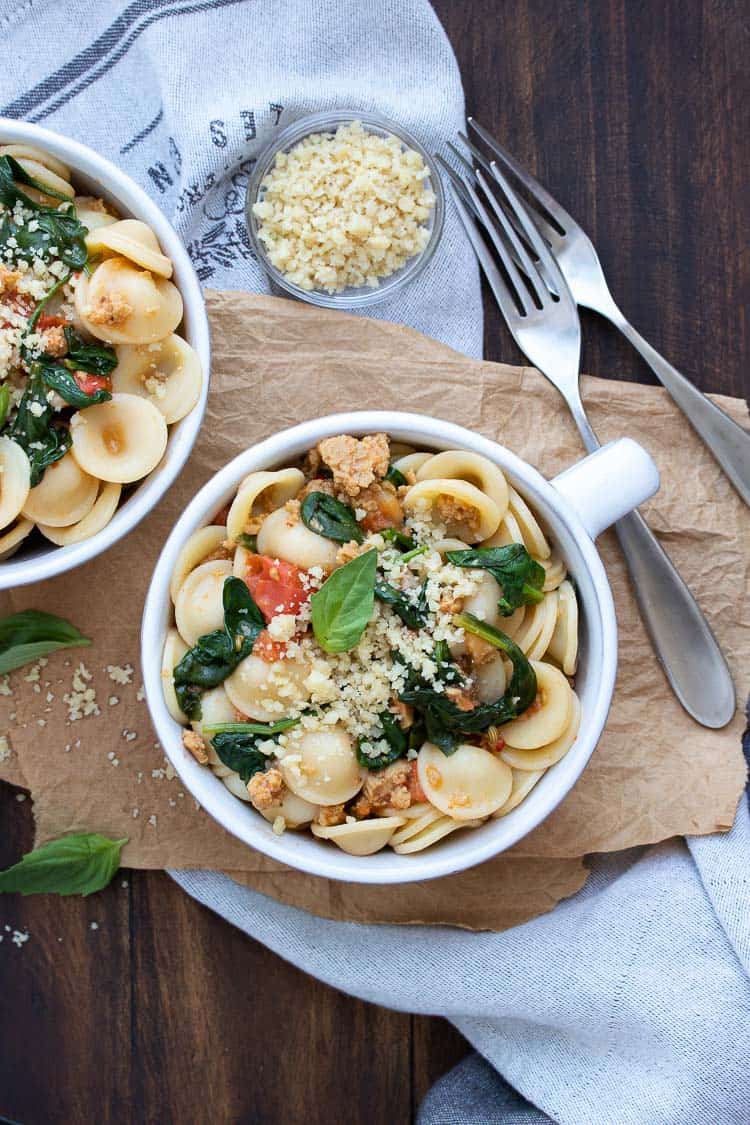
[491,679]
[239,562]
[533,536]
[548,717]
[15,480]
[31,152]
[418,817]
[265,689]
[549,619]
[47,177]
[400,449]
[296,811]
[13,537]
[121,440]
[63,496]
[523,782]
[432,834]
[92,523]
[90,213]
[411,462]
[236,786]
[261,493]
[534,621]
[508,532]
[283,536]
[132,239]
[563,645]
[322,767]
[459,464]
[469,783]
[554,572]
[201,543]
[167,374]
[123,304]
[199,608]
[174,650]
[468,513]
[365,837]
[547,755]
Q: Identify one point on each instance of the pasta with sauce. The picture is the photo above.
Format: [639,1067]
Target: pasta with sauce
[378,651]
[92,370]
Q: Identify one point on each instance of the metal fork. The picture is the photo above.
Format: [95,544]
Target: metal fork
[580,266]
[543,318]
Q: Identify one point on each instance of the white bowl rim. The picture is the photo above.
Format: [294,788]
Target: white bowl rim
[147,494]
[478,844]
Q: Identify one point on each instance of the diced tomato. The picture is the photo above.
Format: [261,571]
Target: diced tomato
[415,789]
[276,585]
[20,303]
[52,322]
[90,384]
[387,513]
[268,649]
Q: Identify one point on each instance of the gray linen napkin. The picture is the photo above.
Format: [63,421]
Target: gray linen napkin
[630,1002]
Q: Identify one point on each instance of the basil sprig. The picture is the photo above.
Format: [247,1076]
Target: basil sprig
[31,634]
[216,655]
[397,739]
[71,865]
[237,744]
[520,576]
[343,605]
[327,516]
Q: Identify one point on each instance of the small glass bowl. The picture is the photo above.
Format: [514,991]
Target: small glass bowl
[350,298]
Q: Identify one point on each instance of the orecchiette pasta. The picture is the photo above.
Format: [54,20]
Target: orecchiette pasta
[327,735]
[174,650]
[78,416]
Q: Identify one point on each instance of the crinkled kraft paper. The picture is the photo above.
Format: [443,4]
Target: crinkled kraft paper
[655,773]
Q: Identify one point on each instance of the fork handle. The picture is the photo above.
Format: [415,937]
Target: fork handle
[728,441]
[682,639]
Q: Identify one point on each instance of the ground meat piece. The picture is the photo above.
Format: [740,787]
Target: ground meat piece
[193,742]
[480,651]
[404,712]
[111,308]
[384,789]
[8,280]
[55,343]
[91,203]
[381,505]
[328,816]
[225,550]
[461,698]
[266,789]
[317,484]
[350,550]
[451,511]
[311,463]
[355,462]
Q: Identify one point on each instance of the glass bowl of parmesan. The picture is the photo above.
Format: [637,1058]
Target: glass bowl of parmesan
[344,209]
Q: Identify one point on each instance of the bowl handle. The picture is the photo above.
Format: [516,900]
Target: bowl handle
[609,483]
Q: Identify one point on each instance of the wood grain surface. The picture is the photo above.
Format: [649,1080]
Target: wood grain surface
[139,1006]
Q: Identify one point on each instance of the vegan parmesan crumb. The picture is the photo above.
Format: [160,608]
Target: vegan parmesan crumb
[120,675]
[81,699]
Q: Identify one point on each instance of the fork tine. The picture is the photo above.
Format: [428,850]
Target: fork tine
[460,156]
[525,262]
[496,281]
[531,232]
[480,158]
[534,188]
[456,181]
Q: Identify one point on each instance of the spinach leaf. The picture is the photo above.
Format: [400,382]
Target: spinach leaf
[397,739]
[36,433]
[412,610]
[97,359]
[57,235]
[216,655]
[403,541]
[4,403]
[71,865]
[59,377]
[520,576]
[28,635]
[395,477]
[444,721]
[343,605]
[327,516]
[249,542]
[237,744]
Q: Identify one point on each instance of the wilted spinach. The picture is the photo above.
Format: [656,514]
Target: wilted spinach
[237,744]
[412,610]
[402,540]
[34,429]
[217,654]
[57,234]
[520,576]
[97,359]
[4,403]
[327,516]
[392,733]
[395,477]
[58,376]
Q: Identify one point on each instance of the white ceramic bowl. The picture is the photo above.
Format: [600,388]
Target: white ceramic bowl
[574,507]
[93,175]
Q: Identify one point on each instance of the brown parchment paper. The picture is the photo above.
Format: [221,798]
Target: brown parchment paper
[655,774]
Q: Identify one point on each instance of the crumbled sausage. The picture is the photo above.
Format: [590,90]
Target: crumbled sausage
[350,550]
[355,462]
[381,506]
[55,343]
[388,788]
[404,712]
[330,815]
[8,280]
[193,742]
[461,698]
[111,308]
[317,484]
[452,511]
[480,651]
[266,789]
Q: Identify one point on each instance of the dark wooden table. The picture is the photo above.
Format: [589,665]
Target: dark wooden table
[635,113]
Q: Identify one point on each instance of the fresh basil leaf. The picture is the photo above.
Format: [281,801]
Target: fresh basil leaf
[249,542]
[71,865]
[397,739]
[58,377]
[216,655]
[395,477]
[31,634]
[4,403]
[97,359]
[237,744]
[343,605]
[43,441]
[412,610]
[520,576]
[403,541]
[327,516]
